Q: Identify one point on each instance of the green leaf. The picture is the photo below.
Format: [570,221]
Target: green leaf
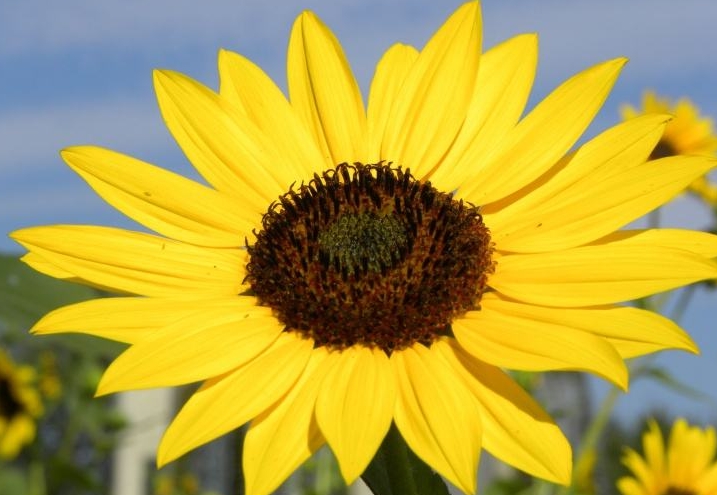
[395,470]
[25,295]
[13,481]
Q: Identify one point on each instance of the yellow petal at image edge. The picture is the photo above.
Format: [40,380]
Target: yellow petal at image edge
[135,262]
[598,274]
[694,241]
[228,401]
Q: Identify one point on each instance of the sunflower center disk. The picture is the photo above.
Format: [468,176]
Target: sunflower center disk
[9,406]
[366,254]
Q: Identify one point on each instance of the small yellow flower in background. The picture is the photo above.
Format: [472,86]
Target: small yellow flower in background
[688,133]
[20,407]
[685,466]
[353,266]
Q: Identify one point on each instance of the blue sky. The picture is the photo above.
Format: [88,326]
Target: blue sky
[79,72]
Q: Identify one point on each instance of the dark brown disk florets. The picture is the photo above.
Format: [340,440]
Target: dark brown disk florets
[366,254]
[673,490]
[9,406]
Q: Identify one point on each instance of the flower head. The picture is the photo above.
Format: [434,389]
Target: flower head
[688,133]
[685,466]
[355,266]
[20,407]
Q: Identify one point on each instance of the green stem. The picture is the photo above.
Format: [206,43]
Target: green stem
[589,441]
[395,470]
[682,302]
[36,478]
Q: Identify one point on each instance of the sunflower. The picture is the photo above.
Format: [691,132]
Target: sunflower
[351,267]
[20,406]
[686,466]
[688,133]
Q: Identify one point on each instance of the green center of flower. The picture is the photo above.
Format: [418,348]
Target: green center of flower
[9,406]
[363,242]
[367,254]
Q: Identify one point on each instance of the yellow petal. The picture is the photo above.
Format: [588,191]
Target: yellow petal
[354,407]
[200,346]
[587,173]
[587,212]
[505,76]
[324,92]
[165,202]
[245,84]
[694,241]
[125,319]
[432,102]
[226,402]
[225,147]
[510,340]
[283,437]
[593,275]
[437,415]
[40,264]
[615,150]
[654,447]
[708,481]
[136,263]
[632,331]
[390,74]
[630,486]
[642,471]
[515,428]
[541,138]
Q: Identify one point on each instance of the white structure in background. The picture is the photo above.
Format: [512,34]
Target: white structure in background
[148,413]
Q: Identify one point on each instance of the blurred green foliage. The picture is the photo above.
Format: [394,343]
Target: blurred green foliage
[76,434]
